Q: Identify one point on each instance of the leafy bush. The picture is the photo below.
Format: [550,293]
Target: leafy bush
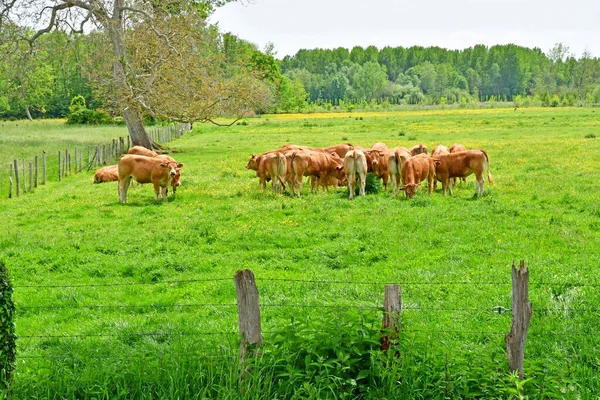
[86,116]
[590,136]
[314,358]
[8,337]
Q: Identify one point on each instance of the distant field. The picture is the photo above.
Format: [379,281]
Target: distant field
[116,275]
[25,139]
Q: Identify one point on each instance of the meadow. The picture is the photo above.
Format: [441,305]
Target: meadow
[138,300]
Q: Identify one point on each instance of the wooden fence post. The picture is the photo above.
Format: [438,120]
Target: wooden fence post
[24,176]
[35,182]
[392,308]
[17,181]
[248,312]
[10,182]
[521,316]
[44,168]
[59,166]
[30,176]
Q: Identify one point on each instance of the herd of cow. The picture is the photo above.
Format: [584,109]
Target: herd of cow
[145,166]
[343,163]
[330,166]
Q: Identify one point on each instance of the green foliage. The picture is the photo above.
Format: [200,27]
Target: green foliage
[590,136]
[85,116]
[318,355]
[8,336]
[77,103]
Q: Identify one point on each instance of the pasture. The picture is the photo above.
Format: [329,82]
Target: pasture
[138,300]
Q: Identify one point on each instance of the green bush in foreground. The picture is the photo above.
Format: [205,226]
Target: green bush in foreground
[8,336]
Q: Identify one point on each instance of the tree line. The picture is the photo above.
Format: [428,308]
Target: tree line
[170,64]
[434,75]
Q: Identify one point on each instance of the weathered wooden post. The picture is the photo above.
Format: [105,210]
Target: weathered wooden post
[17,181]
[521,316]
[30,176]
[35,181]
[10,182]
[248,313]
[59,166]
[24,175]
[44,168]
[392,308]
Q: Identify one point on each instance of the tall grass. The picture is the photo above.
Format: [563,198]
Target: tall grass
[162,272]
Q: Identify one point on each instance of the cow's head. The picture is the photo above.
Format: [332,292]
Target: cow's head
[339,172]
[171,166]
[410,189]
[176,181]
[253,163]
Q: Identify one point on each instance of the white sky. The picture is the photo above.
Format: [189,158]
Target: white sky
[452,24]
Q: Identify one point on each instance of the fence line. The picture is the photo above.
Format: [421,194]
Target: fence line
[408,326]
[23,175]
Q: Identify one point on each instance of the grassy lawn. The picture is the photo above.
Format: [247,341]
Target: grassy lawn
[143,286]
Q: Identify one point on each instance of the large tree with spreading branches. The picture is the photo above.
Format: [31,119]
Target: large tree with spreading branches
[164,60]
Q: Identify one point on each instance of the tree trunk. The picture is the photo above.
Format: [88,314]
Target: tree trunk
[133,119]
[28,113]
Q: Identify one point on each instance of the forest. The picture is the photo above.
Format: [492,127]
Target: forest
[41,81]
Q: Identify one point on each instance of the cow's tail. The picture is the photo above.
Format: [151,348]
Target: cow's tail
[487,159]
[280,169]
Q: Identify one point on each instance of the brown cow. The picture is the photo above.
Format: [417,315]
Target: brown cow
[155,170]
[419,149]
[142,151]
[463,164]
[339,149]
[455,148]
[438,151]
[395,167]
[263,173]
[315,163]
[109,173]
[355,163]
[414,171]
[273,165]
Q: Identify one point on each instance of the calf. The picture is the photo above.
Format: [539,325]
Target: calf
[463,164]
[414,171]
[156,170]
[355,163]
[109,173]
[395,167]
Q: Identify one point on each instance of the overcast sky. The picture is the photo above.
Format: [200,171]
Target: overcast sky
[452,24]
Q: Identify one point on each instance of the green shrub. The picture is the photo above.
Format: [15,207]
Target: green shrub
[590,136]
[311,359]
[8,336]
[86,116]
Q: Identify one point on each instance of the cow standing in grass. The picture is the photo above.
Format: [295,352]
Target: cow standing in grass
[156,170]
[355,163]
[460,165]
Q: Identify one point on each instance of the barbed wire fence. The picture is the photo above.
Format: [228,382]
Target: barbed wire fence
[226,326]
[23,176]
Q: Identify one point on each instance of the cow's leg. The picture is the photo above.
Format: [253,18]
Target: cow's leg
[299,183]
[385,182]
[479,184]
[123,187]
[351,183]
[450,186]
[363,183]
[444,186]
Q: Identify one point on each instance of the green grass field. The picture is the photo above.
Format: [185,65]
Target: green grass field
[138,300]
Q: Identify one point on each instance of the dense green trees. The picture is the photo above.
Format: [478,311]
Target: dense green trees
[64,65]
[439,76]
